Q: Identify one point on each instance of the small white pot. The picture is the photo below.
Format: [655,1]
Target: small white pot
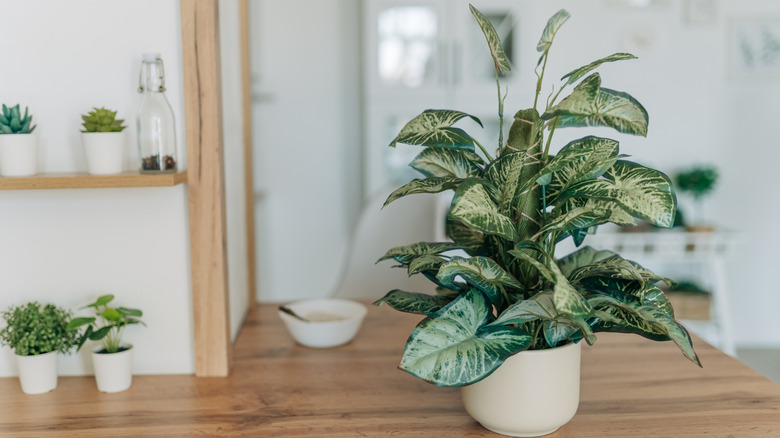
[18,154]
[104,152]
[532,393]
[37,374]
[113,371]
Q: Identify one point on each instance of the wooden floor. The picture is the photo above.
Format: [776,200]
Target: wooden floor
[630,388]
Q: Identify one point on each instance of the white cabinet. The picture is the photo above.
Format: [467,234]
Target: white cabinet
[431,54]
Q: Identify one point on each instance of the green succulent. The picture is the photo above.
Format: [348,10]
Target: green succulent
[501,290]
[33,329]
[12,122]
[102,120]
[107,324]
[698,181]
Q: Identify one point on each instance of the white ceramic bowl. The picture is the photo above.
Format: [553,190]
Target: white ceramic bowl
[332,321]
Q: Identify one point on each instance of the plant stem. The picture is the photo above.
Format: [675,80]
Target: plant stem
[483,150]
[553,125]
[500,113]
[540,78]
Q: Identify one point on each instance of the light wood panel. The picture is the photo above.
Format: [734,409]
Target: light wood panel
[206,191]
[631,387]
[249,186]
[86,181]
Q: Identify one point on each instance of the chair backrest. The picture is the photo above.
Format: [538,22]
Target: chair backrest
[405,221]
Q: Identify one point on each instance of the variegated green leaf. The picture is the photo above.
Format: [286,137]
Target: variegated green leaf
[474,207]
[582,257]
[427,185]
[582,159]
[434,128]
[540,306]
[618,268]
[480,272]
[591,105]
[411,302]
[567,299]
[469,239]
[639,190]
[429,262]
[553,24]
[576,74]
[505,175]
[447,163]
[557,331]
[405,254]
[647,320]
[494,42]
[454,348]
[574,219]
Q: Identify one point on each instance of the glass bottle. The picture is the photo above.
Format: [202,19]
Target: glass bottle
[155,123]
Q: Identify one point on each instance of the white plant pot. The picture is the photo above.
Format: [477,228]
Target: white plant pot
[37,374]
[532,394]
[18,154]
[114,371]
[104,152]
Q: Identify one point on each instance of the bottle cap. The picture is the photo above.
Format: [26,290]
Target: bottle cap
[151,57]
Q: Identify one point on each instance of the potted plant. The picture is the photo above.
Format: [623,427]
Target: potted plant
[698,181]
[103,139]
[509,315]
[18,144]
[112,360]
[37,333]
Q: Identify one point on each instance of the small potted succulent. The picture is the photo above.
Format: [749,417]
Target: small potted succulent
[18,144]
[37,333]
[507,322]
[104,140]
[697,181]
[112,359]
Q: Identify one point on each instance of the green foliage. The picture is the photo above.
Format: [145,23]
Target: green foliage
[106,325]
[32,329]
[101,120]
[509,212]
[12,121]
[698,181]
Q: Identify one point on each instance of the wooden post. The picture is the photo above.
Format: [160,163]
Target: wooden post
[249,186]
[206,186]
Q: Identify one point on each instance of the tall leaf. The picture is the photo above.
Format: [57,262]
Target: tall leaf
[591,105]
[447,163]
[411,302]
[494,42]
[406,253]
[581,159]
[505,174]
[480,272]
[434,128]
[576,74]
[553,24]
[454,348]
[639,190]
[474,207]
[427,185]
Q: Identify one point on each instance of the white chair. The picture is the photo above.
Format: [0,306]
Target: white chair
[407,220]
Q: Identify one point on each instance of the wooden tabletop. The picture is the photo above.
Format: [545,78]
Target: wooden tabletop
[631,387]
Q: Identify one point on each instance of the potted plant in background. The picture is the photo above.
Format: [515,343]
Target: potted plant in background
[698,181]
[507,322]
[18,144]
[112,360]
[104,140]
[37,333]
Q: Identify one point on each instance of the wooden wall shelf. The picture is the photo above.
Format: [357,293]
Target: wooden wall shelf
[86,181]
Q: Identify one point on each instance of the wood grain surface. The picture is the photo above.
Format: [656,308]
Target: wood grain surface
[631,387]
[85,181]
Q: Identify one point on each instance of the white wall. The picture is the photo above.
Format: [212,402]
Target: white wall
[306,64]
[233,129]
[69,246]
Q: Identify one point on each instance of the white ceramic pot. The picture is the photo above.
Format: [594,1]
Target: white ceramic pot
[18,154]
[37,374]
[113,371]
[532,394]
[105,152]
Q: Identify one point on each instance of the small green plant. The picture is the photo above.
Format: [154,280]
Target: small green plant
[107,325]
[12,122]
[32,329]
[102,120]
[698,181]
